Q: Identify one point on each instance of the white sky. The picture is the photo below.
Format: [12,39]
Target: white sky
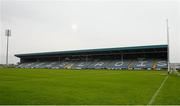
[55,25]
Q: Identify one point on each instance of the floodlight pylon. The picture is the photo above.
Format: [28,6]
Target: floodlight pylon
[7,34]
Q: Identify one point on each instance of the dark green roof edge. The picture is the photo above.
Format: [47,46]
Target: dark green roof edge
[92,50]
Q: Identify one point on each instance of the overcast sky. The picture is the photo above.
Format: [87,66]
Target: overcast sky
[56,25]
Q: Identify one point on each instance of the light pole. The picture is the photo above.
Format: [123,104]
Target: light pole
[7,34]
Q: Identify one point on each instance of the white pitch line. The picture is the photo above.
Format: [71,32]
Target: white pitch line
[157,91]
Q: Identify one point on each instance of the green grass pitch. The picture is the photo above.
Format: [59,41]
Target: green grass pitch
[86,87]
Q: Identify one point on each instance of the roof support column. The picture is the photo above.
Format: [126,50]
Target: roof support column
[37,60]
[122,57]
[86,59]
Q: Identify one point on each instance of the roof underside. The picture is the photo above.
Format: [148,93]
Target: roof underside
[93,51]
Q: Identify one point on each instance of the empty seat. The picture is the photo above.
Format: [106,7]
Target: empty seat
[161,64]
[142,64]
[119,64]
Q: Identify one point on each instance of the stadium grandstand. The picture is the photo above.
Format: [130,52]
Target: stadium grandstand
[151,57]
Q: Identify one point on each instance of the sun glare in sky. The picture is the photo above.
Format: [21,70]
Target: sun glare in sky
[74,27]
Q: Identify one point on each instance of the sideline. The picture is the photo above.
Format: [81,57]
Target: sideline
[157,91]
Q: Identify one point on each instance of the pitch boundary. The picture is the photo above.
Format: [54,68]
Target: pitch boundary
[158,90]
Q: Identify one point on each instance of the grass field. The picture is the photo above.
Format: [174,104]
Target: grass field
[47,86]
